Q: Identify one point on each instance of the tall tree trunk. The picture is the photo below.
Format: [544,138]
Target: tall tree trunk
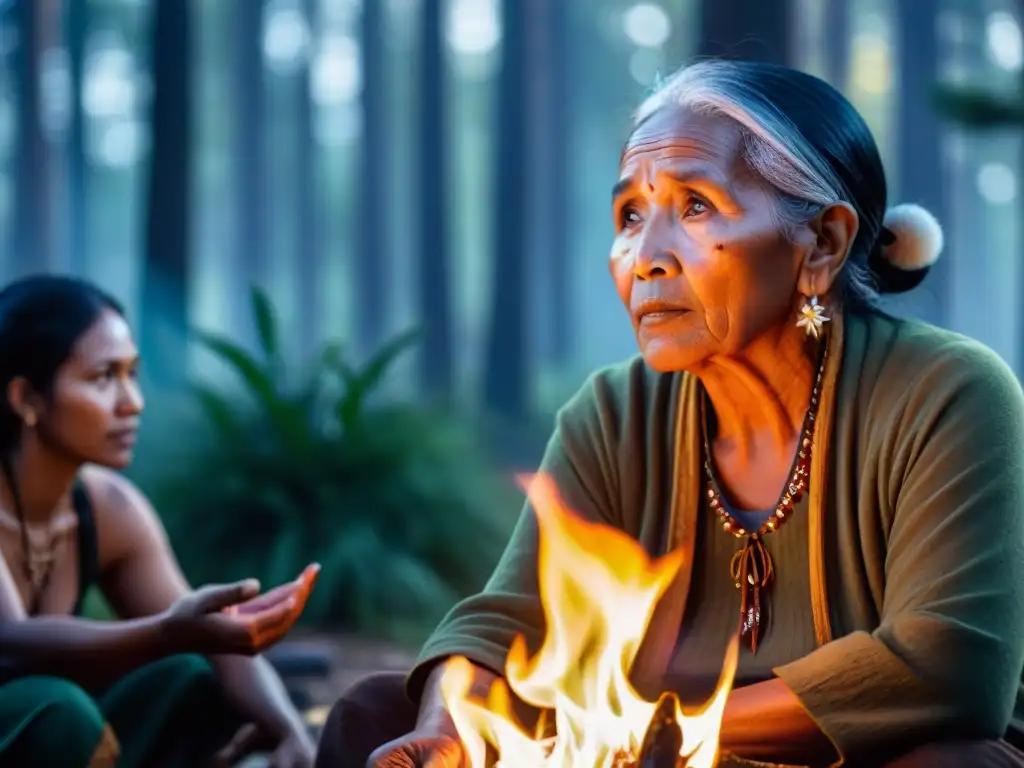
[550,47]
[433,282]
[373,258]
[307,200]
[746,29]
[921,176]
[165,281]
[250,171]
[1019,7]
[837,43]
[32,228]
[506,375]
[77,21]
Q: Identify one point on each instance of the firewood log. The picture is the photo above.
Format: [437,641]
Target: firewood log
[664,737]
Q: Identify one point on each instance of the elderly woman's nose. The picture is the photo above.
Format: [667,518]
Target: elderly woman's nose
[656,257]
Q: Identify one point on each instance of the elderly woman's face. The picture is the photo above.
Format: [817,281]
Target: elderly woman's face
[699,258]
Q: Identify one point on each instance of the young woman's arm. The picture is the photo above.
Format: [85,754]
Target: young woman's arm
[88,652]
[97,653]
[140,576]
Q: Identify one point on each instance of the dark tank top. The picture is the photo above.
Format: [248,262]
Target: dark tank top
[88,559]
[88,544]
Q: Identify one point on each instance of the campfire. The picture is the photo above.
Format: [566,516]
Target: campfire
[599,589]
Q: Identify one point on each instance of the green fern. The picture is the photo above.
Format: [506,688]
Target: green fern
[391,498]
[360,384]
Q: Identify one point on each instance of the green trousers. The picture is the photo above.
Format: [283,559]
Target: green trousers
[167,714]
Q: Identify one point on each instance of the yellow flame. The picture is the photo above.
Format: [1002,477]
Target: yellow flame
[598,588]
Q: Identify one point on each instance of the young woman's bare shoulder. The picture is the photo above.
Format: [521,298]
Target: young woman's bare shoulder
[124,517]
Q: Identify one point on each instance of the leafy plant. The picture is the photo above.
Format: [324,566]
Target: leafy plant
[977,107]
[390,497]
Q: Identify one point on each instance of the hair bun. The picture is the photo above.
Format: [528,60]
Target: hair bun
[910,244]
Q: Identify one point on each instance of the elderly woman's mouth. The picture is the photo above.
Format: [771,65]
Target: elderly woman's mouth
[662,314]
[658,311]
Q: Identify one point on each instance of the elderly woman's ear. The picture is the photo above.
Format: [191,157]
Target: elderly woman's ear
[830,238]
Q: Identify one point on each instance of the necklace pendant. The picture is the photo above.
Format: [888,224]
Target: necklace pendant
[750,621]
[39,566]
[752,571]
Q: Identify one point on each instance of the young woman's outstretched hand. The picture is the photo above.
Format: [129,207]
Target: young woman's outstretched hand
[236,618]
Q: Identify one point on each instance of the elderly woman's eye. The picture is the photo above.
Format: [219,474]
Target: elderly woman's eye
[695,207]
[628,217]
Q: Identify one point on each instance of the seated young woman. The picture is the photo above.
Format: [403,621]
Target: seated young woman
[177,680]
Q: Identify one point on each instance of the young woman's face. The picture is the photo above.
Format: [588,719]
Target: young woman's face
[93,412]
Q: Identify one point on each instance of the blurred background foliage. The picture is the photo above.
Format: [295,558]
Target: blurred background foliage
[307,460]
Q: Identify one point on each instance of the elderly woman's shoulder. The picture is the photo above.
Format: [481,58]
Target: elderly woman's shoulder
[617,395]
[907,355]
[621,381]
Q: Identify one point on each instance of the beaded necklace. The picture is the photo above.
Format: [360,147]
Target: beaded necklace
[751,567]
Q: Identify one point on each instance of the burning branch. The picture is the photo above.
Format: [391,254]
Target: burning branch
[663,741]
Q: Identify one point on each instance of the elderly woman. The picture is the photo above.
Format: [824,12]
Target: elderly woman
[847,485]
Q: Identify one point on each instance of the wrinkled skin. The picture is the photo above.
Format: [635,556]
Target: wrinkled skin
[699,259]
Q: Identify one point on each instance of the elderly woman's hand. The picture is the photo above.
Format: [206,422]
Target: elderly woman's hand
[419,749]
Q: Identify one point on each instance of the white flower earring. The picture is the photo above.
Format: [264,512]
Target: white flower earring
[812,317]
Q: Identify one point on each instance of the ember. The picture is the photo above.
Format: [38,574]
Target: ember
[598,588]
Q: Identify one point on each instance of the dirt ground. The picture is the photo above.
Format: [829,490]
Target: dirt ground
[351,658]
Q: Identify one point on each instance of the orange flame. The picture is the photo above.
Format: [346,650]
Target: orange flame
[598,588]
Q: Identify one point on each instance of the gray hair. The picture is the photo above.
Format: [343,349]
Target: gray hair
[774,148]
